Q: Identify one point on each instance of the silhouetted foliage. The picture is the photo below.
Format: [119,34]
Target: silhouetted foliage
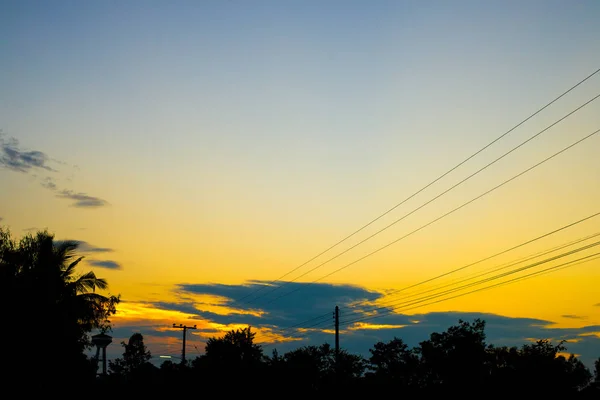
[455,362]
[393,364]
[133,369]
[454,359]
[135,356]
[41,289]
[236,356]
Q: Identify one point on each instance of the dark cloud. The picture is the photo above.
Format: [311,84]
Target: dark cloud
[597,305]
[572,316]
[82,200]
[12,157]
[108,264]
[299,305]
[32,229]
[85,247]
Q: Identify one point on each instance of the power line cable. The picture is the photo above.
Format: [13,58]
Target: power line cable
[444,215]
[478,274]
[302,325]
[296,335]
[572,263]
[282,331]
[428,202]
[485,280]
[555,268]
[423,188]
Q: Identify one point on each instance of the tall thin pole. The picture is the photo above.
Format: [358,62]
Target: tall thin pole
[184,328]
[337,334]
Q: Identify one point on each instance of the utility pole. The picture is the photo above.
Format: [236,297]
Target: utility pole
[185,328]
[337,335]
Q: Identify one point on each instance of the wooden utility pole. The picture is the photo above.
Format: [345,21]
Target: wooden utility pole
[337,335]
[185,328]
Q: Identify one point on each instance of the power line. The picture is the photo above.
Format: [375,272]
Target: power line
[303,323]
[485,272]
[282,331]
[485,280]
[297,334]
[510,281]
[431,200]
[423,188]
[442,216]
[545,271]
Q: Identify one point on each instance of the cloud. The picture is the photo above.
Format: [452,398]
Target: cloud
[13,158]
[296,306]
[85,247]
[49,183]
[597,305]
[572,316]
[33,228]
[82,200]
[108,264]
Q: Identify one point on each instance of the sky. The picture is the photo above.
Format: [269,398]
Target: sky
[255,163]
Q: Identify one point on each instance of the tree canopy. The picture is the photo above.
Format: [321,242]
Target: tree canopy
[52,306]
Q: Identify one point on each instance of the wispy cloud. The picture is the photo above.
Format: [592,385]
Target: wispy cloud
[33,228]
[88,248]
[82,200]
[49,183]
[85,247]
[572,316]
[16,159]
[108,264]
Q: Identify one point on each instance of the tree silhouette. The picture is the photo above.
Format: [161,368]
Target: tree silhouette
[452,360]
[393,363]
[315,369]
[541,368]
[234,356]
[236,349]
[41,287]
[135,356]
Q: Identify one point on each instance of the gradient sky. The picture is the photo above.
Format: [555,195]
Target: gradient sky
[201,149]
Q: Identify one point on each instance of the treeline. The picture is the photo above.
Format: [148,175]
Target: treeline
[455,362]
[50,310]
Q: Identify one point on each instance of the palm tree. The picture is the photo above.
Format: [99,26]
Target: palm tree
[55,307]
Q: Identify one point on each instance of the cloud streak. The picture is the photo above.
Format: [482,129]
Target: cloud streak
[108,264]
[85,247]
[48,183]
[572,316]
[82,200]
[13,158]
